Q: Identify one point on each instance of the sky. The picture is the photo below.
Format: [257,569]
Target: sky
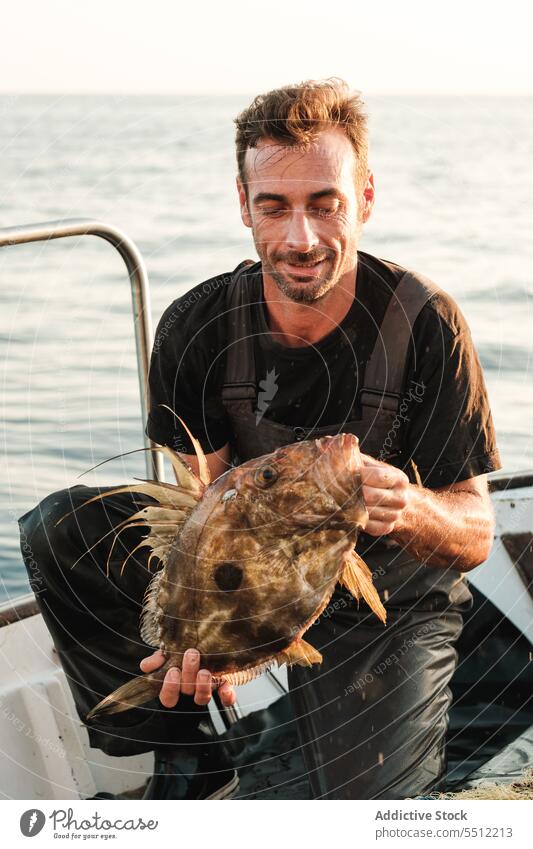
[173,47]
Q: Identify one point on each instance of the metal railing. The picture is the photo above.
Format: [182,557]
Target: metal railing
[140,295]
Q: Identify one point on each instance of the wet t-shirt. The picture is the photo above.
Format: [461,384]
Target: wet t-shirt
[446,426]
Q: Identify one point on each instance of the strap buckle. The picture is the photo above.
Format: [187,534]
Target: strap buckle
[380,399]
[239,392]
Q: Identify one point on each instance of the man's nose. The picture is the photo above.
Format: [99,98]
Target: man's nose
[301,235]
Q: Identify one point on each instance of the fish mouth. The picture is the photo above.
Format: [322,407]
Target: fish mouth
[339,474]
[341,442]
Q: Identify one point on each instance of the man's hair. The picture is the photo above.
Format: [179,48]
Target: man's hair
[296,114]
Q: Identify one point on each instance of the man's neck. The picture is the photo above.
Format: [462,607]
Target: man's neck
[297,324]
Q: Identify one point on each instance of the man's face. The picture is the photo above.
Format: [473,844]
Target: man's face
[305,211]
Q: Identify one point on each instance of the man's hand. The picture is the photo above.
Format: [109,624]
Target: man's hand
[448,526]
[191,680]
[387,493]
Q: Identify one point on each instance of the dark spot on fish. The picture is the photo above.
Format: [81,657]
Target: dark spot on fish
[228,577]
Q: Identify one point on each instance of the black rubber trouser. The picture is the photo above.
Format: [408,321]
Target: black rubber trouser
[94,619]
[372,719]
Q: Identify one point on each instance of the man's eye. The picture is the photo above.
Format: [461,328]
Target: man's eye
[326,211]
[271,211]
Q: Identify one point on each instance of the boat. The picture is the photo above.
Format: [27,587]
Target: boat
[45,747]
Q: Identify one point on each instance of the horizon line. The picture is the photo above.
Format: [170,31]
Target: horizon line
[251,94]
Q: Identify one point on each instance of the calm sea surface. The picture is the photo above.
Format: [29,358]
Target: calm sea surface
[454,201]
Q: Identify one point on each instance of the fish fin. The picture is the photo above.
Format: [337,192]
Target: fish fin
[203,468]
[151,612]
[142,544]
[357,578]
[137,692]
[243,676]
[178,498]
[162,520]
[276,559]
[300,653]
[416,473]
[183,472]
[350,580]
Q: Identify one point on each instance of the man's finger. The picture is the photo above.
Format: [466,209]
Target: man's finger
[153,661]
[378,529]
[386,498]
[204,684]
[227,694]
[379,476]
[387,517]
[191,664]
[170,691]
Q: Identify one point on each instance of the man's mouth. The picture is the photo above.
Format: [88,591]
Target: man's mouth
[304,269]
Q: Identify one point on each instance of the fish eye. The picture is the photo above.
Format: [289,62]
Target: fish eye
[265,476]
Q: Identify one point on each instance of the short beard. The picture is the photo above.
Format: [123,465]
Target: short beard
[304,293]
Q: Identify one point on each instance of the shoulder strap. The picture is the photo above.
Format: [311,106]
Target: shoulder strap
[385,370]
[239,380]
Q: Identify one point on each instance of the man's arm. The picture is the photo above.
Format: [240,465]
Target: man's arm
[218,462]
[450,526]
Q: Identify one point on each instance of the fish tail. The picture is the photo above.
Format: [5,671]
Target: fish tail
[136,692]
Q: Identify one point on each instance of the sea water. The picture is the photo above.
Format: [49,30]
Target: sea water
[454,189]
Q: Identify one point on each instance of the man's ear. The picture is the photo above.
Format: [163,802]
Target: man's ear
[368,198]
[243,202]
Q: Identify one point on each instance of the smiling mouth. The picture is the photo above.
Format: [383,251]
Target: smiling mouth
[302,267]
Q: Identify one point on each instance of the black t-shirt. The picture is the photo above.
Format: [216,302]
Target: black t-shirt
[446,427]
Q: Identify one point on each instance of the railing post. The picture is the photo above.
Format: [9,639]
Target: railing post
[140,294]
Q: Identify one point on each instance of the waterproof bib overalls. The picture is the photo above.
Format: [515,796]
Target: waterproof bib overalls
[372,717]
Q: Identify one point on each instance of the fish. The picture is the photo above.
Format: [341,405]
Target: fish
[248,562]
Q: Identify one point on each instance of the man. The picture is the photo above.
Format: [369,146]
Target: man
[319,337]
